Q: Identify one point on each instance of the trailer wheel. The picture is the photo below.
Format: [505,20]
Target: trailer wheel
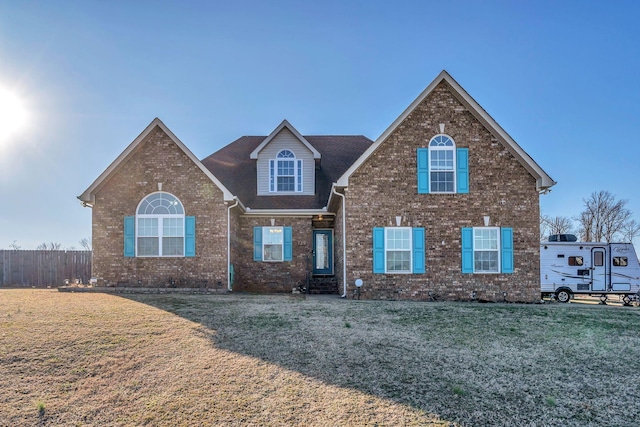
[626,300]
[563,295]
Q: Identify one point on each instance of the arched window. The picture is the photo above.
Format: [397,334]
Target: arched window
[160,226]
[285,173]
[442,165]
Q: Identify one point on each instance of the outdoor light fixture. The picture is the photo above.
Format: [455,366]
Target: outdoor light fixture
[398,221]
[486,220]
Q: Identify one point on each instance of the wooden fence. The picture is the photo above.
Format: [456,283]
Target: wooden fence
[44,268]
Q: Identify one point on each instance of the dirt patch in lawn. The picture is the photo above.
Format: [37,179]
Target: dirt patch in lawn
[94,359]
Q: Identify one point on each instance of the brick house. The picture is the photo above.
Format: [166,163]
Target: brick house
[443,205]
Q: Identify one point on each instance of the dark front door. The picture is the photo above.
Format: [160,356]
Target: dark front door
[322,252]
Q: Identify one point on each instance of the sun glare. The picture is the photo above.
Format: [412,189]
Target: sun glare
[13,115]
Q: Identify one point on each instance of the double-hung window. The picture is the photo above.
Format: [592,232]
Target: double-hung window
[487,250]
[398,250]
[159,228]
[442,165]
[442,168]
[285,173]
[272,244]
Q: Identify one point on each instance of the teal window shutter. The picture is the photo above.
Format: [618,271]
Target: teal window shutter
[467,250]
[129,236]
[257,243]
[418,250]
[288,244]
[189,236]
[423,170]
[378,250]
[462,170]
[506,249]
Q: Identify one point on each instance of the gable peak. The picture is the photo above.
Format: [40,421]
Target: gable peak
[285,124]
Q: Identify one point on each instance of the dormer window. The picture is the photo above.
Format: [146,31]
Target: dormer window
[285,173]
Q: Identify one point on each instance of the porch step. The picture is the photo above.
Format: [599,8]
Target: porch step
[323,285]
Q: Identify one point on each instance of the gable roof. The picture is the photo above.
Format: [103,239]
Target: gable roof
[276,131]
[543,180]
[88,195]
[233,165]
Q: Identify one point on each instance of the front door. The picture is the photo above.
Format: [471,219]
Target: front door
[322,252]
[598,270]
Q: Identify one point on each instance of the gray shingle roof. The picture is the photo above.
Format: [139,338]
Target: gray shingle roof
[233,167]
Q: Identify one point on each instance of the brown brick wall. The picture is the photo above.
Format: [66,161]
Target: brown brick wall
[158,159]
[385,186]
[258,276]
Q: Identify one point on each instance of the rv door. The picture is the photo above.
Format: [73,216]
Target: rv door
[598,270]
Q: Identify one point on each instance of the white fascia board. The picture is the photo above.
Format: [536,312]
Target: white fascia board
[276,131]
[543,180]
[88,195]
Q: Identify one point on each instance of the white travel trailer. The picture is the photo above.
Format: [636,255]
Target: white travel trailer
[568,267]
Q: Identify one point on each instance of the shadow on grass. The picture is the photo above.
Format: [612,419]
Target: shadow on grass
[495,364]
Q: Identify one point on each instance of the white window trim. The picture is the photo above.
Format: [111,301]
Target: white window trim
[454,170]
[160,235]
[410,271]
[297,173]
[499,250]
[264,231]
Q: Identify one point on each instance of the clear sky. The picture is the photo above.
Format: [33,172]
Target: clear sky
[561,77]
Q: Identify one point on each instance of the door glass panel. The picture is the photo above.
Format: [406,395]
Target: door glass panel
[598,259]
[322,251]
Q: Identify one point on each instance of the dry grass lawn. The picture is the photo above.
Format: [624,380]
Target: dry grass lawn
[184,360]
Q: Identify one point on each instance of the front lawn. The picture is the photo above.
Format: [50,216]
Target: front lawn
[97,359]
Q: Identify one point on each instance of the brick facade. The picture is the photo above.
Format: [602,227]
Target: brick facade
[158,159]
[259,276]
[385,186]
[378,188]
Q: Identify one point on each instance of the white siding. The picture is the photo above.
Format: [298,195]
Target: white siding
[285,140]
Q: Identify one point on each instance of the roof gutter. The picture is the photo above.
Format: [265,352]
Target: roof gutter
[229,284]
[344,240]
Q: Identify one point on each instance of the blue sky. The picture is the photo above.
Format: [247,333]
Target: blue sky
[561,77]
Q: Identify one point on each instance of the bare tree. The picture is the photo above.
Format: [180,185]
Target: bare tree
[85,243]
[630,230]
[52,246]
[15,246]
[554,225]
[603,217]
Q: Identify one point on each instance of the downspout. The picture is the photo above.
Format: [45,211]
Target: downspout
[344,241]
[229,242]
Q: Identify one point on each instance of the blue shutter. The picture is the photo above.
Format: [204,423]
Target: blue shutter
[423,170]
[462,170]
[378,250]
[288,244]
[257,243]
[418,250]
[506,249]
[299,176]
[467,250]
[129,236]
[189,236]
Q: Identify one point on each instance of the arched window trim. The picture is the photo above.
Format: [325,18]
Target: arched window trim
[160,234]
[285,172]
[435,156]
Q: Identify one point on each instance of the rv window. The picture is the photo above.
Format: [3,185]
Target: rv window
[560,255]
[598,259]
[576,260]
[620,261]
